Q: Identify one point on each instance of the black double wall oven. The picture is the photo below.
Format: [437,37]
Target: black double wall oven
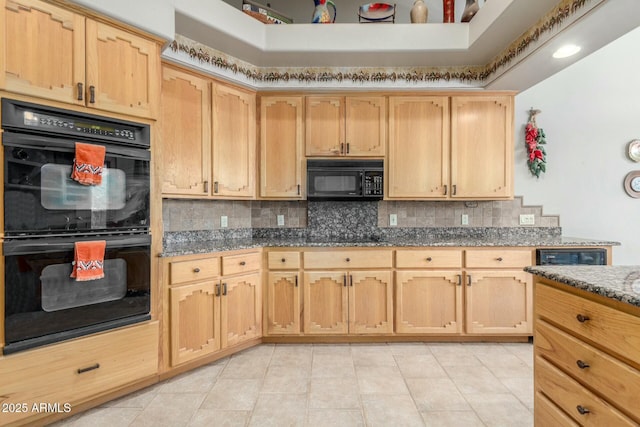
[46,213]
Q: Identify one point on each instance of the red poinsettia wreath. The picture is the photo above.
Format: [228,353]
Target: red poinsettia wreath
[535,139]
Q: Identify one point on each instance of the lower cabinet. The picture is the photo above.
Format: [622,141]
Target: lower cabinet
[429,302]
[62,375]
[240,309]
[283,303]
[342,302]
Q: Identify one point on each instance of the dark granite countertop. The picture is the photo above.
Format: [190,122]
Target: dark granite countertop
[189,247]
[620,283]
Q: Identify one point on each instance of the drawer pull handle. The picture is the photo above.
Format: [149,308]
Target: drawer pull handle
[469,280]
[348,259]
[429,259]
[582,410]
[499,259]
[296,280]
[88,368]
[445,189]
[243,263]
[581,364]
[196,270]
[224,289]
[80,91]
[581,318]
[344,280]
[217,289]
[92,94]
[459,279]
[351,280]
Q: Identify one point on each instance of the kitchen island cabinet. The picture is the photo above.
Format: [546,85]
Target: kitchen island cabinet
[587,344]
[57,54]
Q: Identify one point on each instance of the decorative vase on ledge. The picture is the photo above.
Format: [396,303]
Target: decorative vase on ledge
[419,12]
[470,10]
[448,15]
[321,12]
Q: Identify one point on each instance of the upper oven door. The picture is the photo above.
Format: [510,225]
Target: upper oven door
[336,184]
[41,198]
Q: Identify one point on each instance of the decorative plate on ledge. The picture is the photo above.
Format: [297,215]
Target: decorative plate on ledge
[634,150]
[377,12]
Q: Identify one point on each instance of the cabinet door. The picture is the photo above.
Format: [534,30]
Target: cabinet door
[499,302]
[123,69]
[283,304]
[370,302]
[240,309]
[325,303]
[185,123]
[281,156]
[195,330]
[418,160]
[428,302]
[234,140]
[42,52]
[365,126]
[324,126]
[482,146]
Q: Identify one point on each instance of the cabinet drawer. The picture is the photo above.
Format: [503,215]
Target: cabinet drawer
[234,264]
[197,269]
[546,413]
[615,330]
[425,258]
[572,397]
[348,259]
[283,260]
[605,374]
[496,258]
[73,371]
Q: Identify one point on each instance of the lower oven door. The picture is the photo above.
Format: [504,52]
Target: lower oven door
[41,198]
[44,305]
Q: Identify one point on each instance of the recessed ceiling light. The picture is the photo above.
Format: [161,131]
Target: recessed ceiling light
[566,51]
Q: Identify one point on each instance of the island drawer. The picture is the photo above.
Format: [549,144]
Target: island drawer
[73,371]
[581,405]
[499,258]
[192,270]
[428,258]
[590,366]
[617,331]
[283,260]
[348,259]
[234,264]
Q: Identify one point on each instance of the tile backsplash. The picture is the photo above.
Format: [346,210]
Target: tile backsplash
[337,218]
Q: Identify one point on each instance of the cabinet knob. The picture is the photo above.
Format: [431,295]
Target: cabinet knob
[283,260]
[348,259]
[581,318]
[243,263]
[581,364]
[429,259]
[582,410]
[499,259]
[196,270]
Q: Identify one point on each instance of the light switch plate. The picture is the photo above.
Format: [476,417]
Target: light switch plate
[527,219]
[280,220]
[393,220]
[224,221]
[465,219]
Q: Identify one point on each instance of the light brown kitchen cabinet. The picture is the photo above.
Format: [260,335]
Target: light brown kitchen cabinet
[282,160]
[240,309]
[482,147]
[234,142]
[185,157]
[52,53]
[345,126]
[498,293]
[418,157]
[207,137]
[282,313]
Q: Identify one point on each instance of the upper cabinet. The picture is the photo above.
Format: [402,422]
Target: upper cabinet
[208,137]
[482,147]
[52,53]
[345,126]
[281,141]
[458,147]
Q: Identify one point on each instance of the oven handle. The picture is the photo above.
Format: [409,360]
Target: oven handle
[66,145]
[24,247]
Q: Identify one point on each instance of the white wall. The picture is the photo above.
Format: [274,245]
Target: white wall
[590,111]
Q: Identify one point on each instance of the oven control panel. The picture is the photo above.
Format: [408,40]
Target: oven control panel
[46,121]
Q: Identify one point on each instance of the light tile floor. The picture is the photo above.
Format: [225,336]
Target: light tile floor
[408,384]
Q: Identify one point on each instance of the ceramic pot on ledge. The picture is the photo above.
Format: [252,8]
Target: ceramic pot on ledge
[419,12]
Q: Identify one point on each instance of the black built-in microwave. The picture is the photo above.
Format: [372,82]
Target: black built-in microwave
[345,179]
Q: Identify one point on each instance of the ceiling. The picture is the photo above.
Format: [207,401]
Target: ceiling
[486,43]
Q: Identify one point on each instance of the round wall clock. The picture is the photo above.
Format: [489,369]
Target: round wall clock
[634,150]
[632,184]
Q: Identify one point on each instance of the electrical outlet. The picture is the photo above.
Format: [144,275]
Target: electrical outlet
[527,219]
[393,220]
[224,221]
[465,219]
[280,220]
